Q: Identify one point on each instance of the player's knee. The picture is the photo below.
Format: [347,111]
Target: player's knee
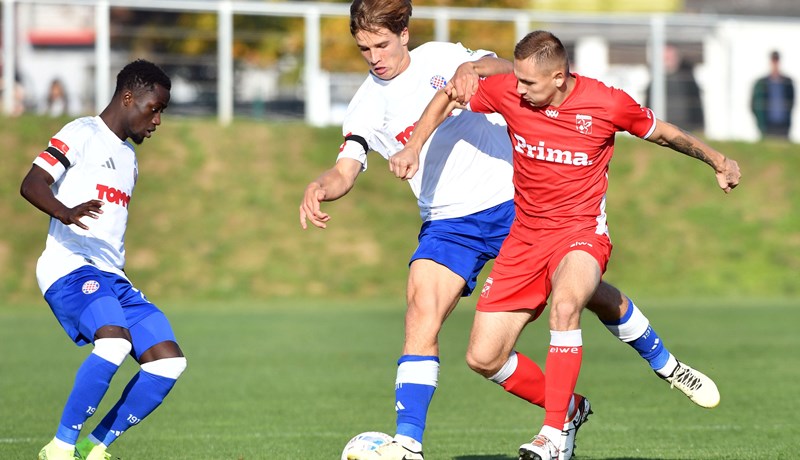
[565,315]
[113,350]
[167,367]
[483,363]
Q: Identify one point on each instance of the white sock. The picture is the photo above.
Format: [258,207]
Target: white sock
[668,368]
[63,445]
[409,443]
[553,434]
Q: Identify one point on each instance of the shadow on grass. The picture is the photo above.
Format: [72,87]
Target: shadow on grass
[506,457]
[484,457]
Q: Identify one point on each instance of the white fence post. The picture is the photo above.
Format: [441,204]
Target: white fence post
[317,98]
[225,62]
[102,55]
[657,74]
[9,57]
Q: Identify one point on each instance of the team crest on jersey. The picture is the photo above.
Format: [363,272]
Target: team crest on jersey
[486,286]
[438,82]
[90,287]
[583,123]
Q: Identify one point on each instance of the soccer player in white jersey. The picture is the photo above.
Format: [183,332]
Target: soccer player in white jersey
[84,181]
[465,195]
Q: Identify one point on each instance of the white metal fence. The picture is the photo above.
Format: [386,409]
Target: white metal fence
[726,54]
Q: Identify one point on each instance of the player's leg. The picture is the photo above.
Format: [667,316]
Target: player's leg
[88,310]
[627,322]
[574,272]
[491,354]
[573,282]
[495,332]
[162,363]
[518,374]
[433,293]
[513,295]
[445,267]
[143,394]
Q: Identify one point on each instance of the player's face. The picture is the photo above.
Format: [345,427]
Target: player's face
[537,86]
[386,53]
[144,112]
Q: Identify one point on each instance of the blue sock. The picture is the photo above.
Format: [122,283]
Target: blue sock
[91,384]
[635,330]
[650,347]
[143,394]
[417,377]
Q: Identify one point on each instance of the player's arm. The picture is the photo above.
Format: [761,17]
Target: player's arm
[726,169]
[330,185]
[405,163]
[464,83]
[36,189]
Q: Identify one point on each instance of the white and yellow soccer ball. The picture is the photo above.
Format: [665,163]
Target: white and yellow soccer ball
[367,441]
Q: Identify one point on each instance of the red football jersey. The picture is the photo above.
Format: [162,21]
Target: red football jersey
[561,154]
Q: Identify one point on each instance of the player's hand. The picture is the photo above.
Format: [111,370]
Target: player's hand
[728,177]
[404,164]
[463,85]
[71,216]
[310,207]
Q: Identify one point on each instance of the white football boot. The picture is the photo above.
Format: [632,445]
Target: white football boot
[567,446]
[391,451]
[540,448]
[695,385]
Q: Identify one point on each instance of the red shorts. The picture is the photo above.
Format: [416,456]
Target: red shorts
[522,273]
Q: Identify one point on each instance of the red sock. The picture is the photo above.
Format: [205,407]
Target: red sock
[563,366]
[527,381]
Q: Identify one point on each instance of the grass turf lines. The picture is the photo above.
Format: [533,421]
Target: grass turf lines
[296,380]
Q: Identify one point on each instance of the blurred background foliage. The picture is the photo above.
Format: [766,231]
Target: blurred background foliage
[271,41]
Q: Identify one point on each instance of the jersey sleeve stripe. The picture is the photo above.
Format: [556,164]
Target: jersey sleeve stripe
[61,146]
[50,159]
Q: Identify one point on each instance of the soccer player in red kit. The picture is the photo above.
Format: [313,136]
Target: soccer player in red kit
[562,128]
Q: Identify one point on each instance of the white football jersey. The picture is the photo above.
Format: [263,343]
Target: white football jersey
[471,168]
[102,167]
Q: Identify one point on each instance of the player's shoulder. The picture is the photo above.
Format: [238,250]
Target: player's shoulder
[502,81]
[81,127]
[590,83]
[371,90]
[595,89]
[367,105]
[429,47]
[437,49]
[75,134]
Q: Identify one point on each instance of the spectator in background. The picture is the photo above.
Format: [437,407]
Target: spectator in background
[684,107]
[56,103]
[773,100]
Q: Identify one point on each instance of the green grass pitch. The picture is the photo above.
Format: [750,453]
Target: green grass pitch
[295,380]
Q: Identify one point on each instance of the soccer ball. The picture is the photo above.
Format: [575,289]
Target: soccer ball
[367,441]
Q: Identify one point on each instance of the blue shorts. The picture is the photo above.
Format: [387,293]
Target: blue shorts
[465,244]
[87,299]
